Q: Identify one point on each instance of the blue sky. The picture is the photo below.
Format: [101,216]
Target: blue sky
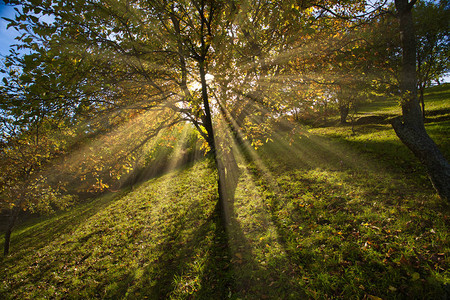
[6,36]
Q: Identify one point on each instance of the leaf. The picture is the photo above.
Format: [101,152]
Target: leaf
[403,260]
[415,276]
[34,19]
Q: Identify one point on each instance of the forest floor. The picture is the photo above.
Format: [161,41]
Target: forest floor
[317,213]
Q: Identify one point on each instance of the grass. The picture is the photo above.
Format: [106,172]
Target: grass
[379,141]
[435,99]
[322,213]
[159,240]
[355,231]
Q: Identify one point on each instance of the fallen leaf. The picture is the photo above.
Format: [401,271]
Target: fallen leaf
[403,260]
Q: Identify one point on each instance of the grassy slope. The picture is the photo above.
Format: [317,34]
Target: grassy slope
[378,141]
[322,213]
[149,242]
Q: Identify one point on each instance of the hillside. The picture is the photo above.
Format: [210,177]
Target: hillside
[317,213]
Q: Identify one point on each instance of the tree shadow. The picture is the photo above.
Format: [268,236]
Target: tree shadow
[216,279]
[254,277]
[36,233]
[196,268]
[294,163]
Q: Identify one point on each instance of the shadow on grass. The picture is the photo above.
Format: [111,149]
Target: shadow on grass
[180,271]
[145,245]
[37,233]
[258,271]
[192,257]
[334,213]
[336,240]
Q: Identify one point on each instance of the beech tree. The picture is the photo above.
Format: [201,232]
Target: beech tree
[98,58]
[91,58]
[410,127]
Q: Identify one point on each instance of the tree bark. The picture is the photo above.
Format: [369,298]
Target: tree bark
[410,127]
[344,109]
[421,84]
[422,101]
[207,122]
[12,221]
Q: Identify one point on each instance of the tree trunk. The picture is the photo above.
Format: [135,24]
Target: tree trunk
[344,109]
[422,102]
[12,221]
[410,127]
[207,122]
[421,83]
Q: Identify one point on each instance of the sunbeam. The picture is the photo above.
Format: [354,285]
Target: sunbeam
[225,150]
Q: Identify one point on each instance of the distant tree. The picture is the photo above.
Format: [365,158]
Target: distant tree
[432,23]
[24,152]
[409,127]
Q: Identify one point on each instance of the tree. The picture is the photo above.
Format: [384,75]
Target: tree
[98,58]
[113,56]
[431,21]
[24,152]
[410,127]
